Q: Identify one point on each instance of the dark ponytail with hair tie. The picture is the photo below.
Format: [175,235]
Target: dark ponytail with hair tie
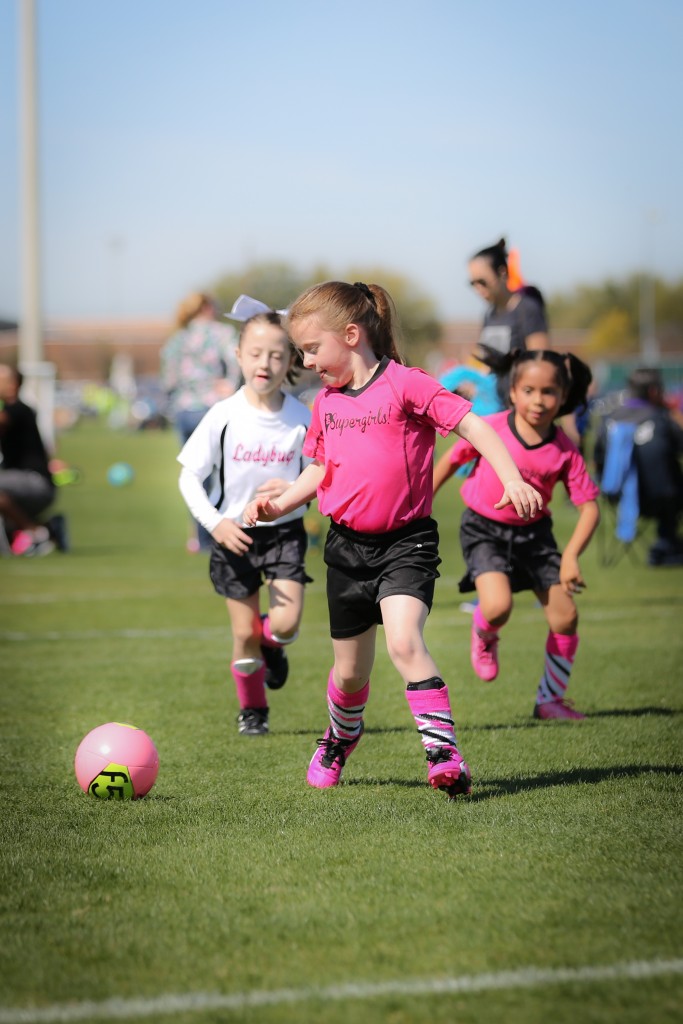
[366,292]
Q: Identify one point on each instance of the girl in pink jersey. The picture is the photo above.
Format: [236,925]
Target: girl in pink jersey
[504,556]
[371,439]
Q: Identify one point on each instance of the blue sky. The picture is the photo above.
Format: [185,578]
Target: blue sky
[180,140]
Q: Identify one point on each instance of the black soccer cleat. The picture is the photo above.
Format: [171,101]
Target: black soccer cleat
[253,722]
[277,666]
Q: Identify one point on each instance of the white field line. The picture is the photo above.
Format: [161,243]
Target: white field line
[207,1002]
[17,636]
[463,621]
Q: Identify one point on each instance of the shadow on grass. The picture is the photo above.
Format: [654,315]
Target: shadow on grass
[486,789]
[533,723]
[369,731]
[634,712]
[572,777]
[530,723]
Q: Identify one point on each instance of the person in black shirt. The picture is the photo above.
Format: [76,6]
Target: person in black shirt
[514,319]
[26,485]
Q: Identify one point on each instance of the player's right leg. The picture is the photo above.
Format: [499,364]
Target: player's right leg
[348,687]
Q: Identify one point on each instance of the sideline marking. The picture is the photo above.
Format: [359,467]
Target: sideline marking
[201,1002]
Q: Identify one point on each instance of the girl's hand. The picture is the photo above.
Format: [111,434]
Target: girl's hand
[261,509]
[273,488]
[523,496]
[571,580]
[230,535]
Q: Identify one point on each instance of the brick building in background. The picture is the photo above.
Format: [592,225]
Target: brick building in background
[83,350]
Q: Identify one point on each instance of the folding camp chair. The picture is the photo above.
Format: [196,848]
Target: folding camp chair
[621,526]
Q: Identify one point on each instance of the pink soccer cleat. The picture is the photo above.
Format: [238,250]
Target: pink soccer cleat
[449,771]
[484,654]
[558,708]
[329,759]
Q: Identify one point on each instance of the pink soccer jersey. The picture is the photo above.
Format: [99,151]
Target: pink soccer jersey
[377,446]
[542,465]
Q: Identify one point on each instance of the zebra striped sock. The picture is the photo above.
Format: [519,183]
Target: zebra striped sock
[431,709]
[560,651]
[346,710]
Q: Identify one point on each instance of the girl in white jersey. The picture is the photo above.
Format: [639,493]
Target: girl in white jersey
[504,556]
[372,439]
[254,440]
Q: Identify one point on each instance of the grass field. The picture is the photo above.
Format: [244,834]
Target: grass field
[234,892]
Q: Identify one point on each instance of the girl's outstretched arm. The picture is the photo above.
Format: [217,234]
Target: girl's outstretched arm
[302,491]
[516,491]
[571,578]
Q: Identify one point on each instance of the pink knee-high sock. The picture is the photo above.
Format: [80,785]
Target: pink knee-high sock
[560,651]
[431,709]
[482,625]
[346,709]
[251,688]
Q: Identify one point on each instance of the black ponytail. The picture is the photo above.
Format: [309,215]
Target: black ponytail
[497,255]
[580,379]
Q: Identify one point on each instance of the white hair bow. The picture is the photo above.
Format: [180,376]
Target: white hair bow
[244,307]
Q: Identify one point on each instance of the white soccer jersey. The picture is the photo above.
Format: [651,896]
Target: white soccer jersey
[246,446]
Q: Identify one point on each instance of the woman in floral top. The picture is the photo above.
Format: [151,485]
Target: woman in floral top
[198,367]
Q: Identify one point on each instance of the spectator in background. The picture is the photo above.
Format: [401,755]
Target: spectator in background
[26,485]
[657,448]
[198,367]
[516,317]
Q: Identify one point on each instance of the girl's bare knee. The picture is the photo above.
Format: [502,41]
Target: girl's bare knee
[566,624]
[348,679]
[496,612]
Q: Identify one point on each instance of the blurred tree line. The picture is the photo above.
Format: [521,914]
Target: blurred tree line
[611,310]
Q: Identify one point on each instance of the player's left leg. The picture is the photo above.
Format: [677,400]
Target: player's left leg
[404,617]
[560,650]
[248,668]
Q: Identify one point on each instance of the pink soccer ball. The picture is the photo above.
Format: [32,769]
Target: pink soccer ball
[116,762]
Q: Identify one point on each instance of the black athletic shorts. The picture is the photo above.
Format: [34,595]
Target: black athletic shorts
[527,554]
[364,568]
[277,553]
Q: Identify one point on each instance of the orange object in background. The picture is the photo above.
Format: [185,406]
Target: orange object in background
[515,279]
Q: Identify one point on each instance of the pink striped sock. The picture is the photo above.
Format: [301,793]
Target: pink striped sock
[251,688]
[560,651]
[346,709]
[431,708]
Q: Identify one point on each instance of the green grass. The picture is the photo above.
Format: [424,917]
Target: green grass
[233,876]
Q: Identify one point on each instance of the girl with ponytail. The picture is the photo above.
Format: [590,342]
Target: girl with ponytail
[372,437]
